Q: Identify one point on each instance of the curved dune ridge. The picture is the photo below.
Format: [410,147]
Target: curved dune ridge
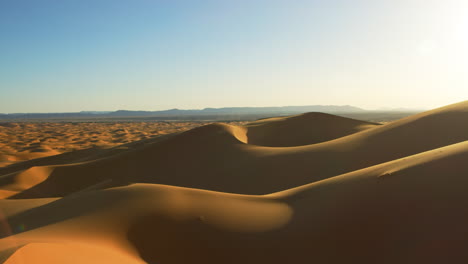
[304,129]
[393,193]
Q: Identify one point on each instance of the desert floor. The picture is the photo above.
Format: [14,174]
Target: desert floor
[310,188]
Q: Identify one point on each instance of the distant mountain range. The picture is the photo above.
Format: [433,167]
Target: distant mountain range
[178,114]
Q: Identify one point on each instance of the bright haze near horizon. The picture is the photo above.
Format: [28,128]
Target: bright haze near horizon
[65,56]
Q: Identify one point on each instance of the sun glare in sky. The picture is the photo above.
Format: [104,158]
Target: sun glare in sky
[65,56]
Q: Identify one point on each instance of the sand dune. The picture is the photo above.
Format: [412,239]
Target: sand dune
[409,206]
[218,157]
[220,193]
[304,129]
[26,141]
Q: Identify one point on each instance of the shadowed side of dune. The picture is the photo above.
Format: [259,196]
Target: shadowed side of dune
[304,129]
[208,156]
[411,210]
[248,169]
[217,157]
[406,211]
[152,206]
[11,175]
[149,162]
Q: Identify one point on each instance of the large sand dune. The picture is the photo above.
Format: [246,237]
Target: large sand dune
[259,193]
[305,129]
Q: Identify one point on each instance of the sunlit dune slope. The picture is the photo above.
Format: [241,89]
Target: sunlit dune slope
[410,210]
[304,129]
[218,157]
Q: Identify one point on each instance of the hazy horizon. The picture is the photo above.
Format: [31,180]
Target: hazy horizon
[203,108]
[63,56]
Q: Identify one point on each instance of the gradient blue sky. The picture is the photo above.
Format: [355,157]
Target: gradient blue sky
[73,55]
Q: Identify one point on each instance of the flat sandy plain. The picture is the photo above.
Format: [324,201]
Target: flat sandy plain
[310,188]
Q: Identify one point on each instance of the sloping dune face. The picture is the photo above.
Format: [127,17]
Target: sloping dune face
[305,129]
[393,193]
[411,210]
[214,154]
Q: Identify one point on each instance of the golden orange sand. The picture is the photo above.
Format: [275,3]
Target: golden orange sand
[28,140]
[221,193]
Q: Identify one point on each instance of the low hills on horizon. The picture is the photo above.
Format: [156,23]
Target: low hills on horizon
[232,113]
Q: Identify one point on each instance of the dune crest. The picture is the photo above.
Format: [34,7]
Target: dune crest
[16,182]
[304,129]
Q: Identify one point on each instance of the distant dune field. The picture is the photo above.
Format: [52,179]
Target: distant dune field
[28,140]
[309,188]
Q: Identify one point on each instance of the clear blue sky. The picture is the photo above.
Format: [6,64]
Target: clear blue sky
[73,55]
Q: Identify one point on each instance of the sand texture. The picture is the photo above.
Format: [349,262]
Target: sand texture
[311,188]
